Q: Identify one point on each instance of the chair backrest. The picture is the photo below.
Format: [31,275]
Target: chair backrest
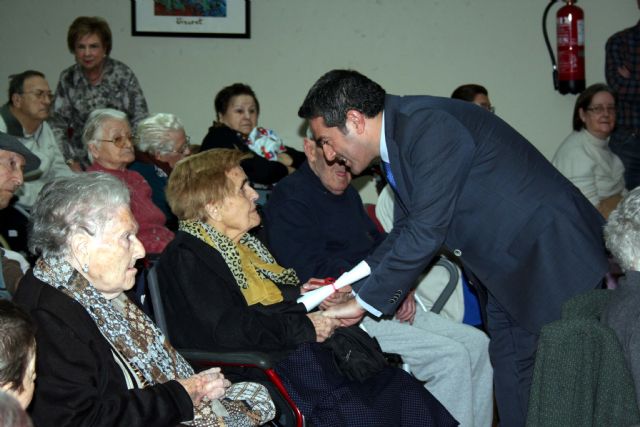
[156,300]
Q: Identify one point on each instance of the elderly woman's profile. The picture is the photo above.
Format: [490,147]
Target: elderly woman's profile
[100,360]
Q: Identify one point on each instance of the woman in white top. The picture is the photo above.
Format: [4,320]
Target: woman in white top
[584,156]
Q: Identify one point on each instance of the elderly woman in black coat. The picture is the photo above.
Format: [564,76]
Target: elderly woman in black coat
[100,360]
[225,292]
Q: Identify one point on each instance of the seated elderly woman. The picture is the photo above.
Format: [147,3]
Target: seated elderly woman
[584,156]
[160,142]
[17,353]
[237,111]
[100,360]
[622,236]
[224,292]
[107,137]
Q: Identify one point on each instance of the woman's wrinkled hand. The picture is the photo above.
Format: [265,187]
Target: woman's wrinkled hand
[210,384]
[324,326]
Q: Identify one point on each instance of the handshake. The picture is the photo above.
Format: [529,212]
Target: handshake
[313,298]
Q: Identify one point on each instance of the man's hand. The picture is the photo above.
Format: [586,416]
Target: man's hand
[349,313]
[407,310]
[624,72]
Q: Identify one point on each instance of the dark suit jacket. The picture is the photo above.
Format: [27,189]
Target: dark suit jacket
[470,182]
[205,309]
[79,382]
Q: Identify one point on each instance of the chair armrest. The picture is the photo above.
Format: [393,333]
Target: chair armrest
[260,360]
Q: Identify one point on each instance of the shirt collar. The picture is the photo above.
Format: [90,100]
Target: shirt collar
[384,154]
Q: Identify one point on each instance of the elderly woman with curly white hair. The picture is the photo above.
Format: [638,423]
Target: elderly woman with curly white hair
[100,360]
[622,236]
[160,142]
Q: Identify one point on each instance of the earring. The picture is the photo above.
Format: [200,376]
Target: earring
[85,268]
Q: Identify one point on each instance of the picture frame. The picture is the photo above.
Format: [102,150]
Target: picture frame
[191,18]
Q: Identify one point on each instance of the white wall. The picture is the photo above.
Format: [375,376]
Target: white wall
[408,46]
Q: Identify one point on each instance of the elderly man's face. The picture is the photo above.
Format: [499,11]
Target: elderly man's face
[11,167]
[34,103]
[334,175]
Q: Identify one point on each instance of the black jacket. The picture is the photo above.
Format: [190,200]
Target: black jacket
[206,310]
[258,169]
[79,382]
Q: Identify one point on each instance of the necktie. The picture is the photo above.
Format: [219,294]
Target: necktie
[389,175]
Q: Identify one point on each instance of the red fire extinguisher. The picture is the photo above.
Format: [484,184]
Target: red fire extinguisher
[568,74]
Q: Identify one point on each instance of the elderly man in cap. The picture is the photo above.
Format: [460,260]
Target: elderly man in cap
[15,159]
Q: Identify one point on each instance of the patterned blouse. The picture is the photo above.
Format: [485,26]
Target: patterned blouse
[76,98]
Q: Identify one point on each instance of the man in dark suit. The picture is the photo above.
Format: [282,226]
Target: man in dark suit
[465,180]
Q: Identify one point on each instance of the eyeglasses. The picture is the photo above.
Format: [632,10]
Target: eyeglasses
[600,109]
[119,141]
[487,107]
[41,94]
[185,148]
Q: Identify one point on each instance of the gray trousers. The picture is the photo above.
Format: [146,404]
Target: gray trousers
[451,358]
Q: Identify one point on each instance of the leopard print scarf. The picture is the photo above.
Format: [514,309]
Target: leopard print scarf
[250,262]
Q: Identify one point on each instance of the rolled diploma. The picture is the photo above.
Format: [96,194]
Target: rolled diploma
[314,298]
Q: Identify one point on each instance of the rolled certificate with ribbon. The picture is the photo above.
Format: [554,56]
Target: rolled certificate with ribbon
[314,298]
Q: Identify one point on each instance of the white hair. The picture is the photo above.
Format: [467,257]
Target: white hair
[92,132]
[66,205]
[622,232]
[151,133]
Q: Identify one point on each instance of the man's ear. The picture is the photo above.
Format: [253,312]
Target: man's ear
[310,149]
[16,100]
[357,119]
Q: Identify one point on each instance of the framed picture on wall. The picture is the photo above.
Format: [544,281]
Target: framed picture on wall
[191,18]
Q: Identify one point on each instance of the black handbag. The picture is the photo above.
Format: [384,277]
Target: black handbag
[357,355]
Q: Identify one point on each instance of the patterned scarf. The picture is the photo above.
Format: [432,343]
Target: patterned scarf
[250,262]
[150,356]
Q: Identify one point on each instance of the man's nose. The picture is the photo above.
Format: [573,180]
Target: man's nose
[18,177]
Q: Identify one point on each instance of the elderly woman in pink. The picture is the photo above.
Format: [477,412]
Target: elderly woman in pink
[107,137]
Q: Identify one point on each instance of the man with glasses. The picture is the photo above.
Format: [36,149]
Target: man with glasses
[24,117]
[465,181]
[474,93]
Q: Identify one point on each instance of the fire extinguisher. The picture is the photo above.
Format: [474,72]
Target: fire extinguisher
[568,73]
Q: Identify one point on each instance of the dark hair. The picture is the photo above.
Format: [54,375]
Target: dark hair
[85,25]
[469,92]
[17,344]
[339,91]
[16,82]
[221,103]
[584,100]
